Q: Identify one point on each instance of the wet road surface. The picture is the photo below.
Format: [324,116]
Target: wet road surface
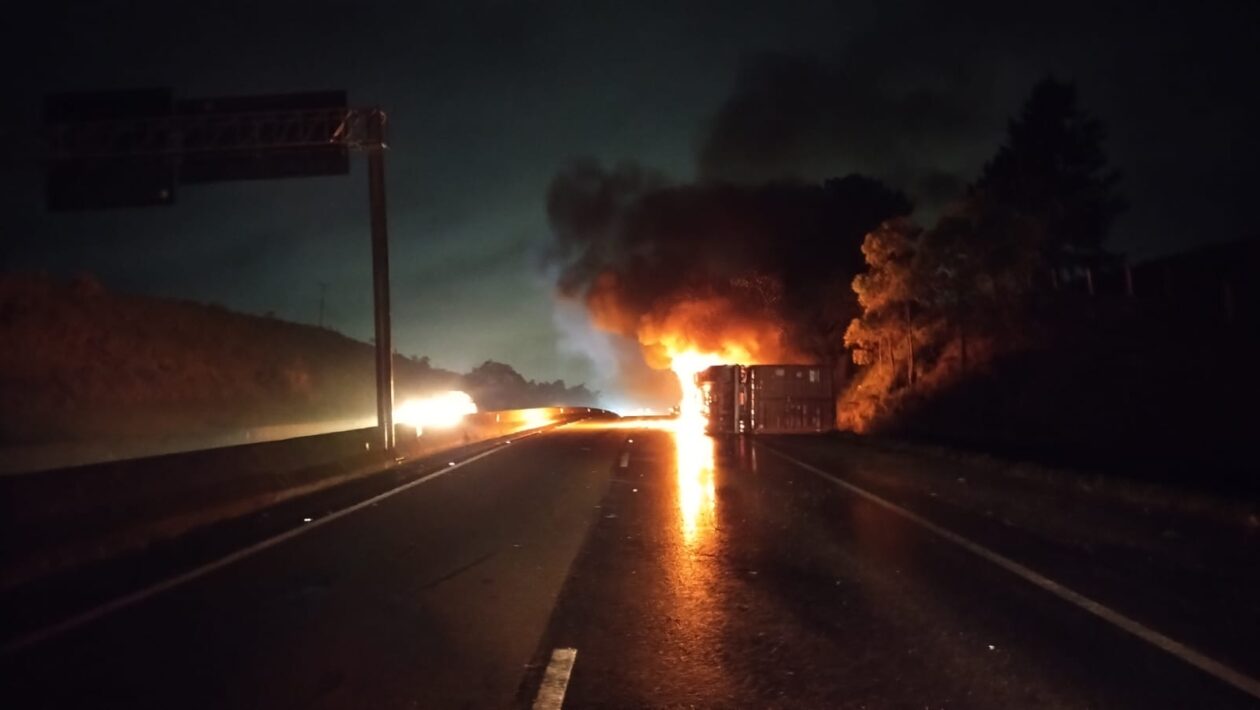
[434,597]
[685,572]
[739,579]
[1187,567]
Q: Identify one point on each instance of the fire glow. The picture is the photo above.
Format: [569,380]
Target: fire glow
[687,363]
[440,411]
[694,448]
[687,334]
[696,489]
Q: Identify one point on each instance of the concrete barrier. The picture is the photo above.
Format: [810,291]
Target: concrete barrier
[53,520]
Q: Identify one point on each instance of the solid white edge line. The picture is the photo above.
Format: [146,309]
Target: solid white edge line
[556,680]
[1208,665]
[127,600]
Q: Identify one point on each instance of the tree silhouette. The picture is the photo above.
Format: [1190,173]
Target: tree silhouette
[966,289]
[497,385]
[1051,177]
[816,295]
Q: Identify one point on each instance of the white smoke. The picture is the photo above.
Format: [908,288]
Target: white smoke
[625,382]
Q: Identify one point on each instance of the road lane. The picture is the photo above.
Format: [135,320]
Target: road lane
[435,597]
[757,584]
[30,610]
[1193,574]
[713,574]
[1181,651]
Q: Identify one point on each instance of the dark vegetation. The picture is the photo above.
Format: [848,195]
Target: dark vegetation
[81,362]
[1008,325]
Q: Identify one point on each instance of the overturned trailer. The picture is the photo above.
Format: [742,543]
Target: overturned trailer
[768,399]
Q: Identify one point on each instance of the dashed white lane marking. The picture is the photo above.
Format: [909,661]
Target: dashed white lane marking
[556,681]
[136,597]
[1208,665]
[625,460]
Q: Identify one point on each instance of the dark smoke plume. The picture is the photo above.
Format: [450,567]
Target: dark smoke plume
[792,117]
[760,250]
[717,261]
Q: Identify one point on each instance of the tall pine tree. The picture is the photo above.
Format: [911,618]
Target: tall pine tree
[1051,176]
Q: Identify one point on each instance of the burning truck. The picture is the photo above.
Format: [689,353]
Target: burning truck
[708,274]
[766,399]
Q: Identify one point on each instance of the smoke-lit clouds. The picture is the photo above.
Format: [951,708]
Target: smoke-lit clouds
[919,97]
[794,117]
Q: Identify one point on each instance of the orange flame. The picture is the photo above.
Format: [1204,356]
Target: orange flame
[688,336]
[713,328]
[694,449]
[696,335]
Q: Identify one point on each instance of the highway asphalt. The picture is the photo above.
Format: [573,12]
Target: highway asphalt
[764,584]
[682,571]
[433,597]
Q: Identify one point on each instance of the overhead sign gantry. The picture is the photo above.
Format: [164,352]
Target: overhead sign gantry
[136,148]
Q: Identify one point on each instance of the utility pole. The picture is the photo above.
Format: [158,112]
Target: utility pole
[323,288]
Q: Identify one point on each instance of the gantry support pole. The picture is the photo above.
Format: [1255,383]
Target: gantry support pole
[380,280]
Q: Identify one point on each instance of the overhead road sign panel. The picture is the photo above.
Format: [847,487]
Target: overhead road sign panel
[110,149]
[263,137]
[131,148]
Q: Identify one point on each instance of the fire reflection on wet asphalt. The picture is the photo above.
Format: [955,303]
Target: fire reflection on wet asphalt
[696,497]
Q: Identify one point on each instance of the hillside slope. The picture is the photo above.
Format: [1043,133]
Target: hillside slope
[81,362]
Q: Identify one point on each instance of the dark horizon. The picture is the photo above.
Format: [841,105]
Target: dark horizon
[489,100]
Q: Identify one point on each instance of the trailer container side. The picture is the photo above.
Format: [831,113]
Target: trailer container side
[767,398]
[790,398]
[726,398]
[786,416]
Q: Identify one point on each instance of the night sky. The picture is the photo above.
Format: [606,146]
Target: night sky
[488,100]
